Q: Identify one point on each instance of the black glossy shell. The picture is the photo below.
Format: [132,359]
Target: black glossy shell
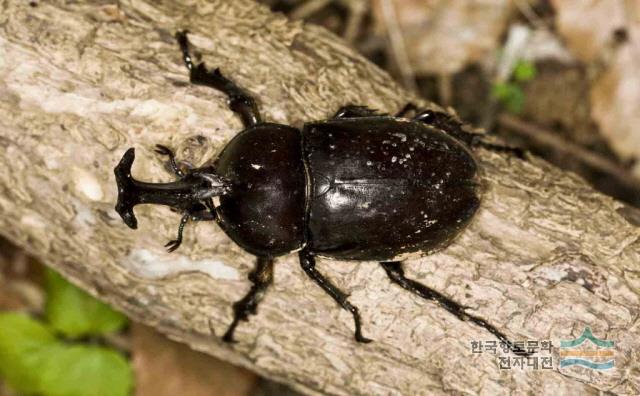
[374,188]
[264,212]
[382,187]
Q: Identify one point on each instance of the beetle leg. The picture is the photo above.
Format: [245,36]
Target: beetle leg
[409,107]
[261,278]
[308,263]
[352,111]
[164,150]
[239,101]
[174,244]
[203,214]
[396,274]
[453,127]
[196,213]
[211,209]
[445,122]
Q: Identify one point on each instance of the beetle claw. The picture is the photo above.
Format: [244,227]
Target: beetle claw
[173,245]
[163,150]
[228,336]
[229,339]
[363,339]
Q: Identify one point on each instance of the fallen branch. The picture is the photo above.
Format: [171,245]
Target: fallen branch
[545,256]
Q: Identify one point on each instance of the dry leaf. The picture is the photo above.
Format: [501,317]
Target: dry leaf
[608,32]
[442,37]
[587,26]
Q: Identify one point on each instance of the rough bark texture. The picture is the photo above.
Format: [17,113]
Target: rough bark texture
[81,82]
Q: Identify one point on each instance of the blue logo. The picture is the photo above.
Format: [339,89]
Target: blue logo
[598,358]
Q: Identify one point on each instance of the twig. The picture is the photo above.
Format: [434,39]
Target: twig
[357,11]
[308,8]
[544,137]
[398,48]
[529,13]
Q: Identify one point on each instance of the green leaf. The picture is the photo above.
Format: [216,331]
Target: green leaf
[33,362]
[22,341]
[74,313]
[86,370]
[510,95]
[524,71]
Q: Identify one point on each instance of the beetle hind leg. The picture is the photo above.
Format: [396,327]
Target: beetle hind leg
[239,101]
[308,263]
[261,278]
[396,274]
[453,127]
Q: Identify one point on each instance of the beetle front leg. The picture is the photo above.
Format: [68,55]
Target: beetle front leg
[174,244]
[261,278]
[308,263]
[396,274]
[166,151]
[195,215]
[239,101]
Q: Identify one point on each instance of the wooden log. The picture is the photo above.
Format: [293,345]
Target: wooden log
[82,81]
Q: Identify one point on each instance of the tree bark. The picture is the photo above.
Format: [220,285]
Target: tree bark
[80,82]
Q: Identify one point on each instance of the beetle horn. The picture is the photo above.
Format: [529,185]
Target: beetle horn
[127,197]
[195,187]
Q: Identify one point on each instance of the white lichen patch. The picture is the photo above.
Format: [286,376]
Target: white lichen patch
[51,163]
[553,274]
[33,220]
[87,102]
[147,264]
[511,236]
[278,115]
[86,184]
[159,112]
[147,108]
[84,217]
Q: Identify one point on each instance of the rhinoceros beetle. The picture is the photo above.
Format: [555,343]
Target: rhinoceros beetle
[358,186]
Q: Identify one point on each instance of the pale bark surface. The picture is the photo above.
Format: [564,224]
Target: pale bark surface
[79,83]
